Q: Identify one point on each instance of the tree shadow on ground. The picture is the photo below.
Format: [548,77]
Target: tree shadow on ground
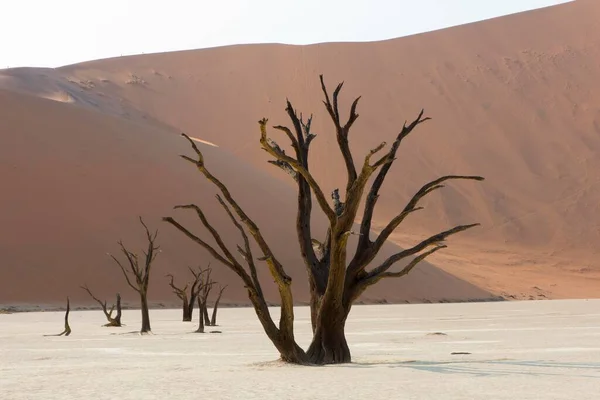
[485,368]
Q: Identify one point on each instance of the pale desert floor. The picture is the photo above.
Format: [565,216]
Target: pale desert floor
[520,350]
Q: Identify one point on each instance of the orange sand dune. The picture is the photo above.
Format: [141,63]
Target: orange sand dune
[74,182]
[514,99]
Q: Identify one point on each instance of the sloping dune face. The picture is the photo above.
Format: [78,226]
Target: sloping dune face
[514,99]
[75,181]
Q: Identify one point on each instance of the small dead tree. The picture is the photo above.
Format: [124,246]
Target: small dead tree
[141,273]
[213,319]
[200,316]
[112,322]
[335,279]
[205,286]
[188,301]
[67,330]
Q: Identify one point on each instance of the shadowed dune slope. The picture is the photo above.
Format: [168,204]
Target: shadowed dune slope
[514,99]
[74,182]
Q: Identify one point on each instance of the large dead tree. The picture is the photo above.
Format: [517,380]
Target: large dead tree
[141,273]
[67,330]
[213,318]
[188,300]
[335,279]
[112,322]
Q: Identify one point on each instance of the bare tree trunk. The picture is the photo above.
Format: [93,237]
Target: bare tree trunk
[187,316]
[205,314]
[145,313]
[329,345]
[200,316]
[117,319]
[213,320]
[67,330]
[190,309]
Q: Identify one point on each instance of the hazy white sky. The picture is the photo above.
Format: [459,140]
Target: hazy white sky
[51,33]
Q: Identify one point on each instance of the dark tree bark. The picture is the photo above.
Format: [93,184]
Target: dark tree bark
[207,285]
[213,319]
[67,330]
[112,322]
[187,300]
[205,314]
[335,281]
[204,287]
[200,316]
[141,273]
[182,294]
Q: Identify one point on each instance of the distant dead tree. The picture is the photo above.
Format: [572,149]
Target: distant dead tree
[67,330]
[141,273]
[205,287]
[335,279]
[188,300]
[213,319]
[112,322]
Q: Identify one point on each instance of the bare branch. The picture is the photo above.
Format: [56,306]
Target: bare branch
[125,274]
[289,134]
[432,240]
[412,205]
[279,155]
[274,264]
[374,151]
[373,194]
[102,303]
[287,168]
[150,254]
[212,231]
[374,279]
[233,266]
[353,115]
[247,252]
[181,293]
[342,131]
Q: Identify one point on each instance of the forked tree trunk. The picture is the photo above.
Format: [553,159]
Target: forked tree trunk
[116,321]
[145,313]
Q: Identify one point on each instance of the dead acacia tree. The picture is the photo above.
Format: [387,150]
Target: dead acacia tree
[335,279]
[213,319]
[112,322]
[188,300]
[205,286]
[141,273]
[67,330]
